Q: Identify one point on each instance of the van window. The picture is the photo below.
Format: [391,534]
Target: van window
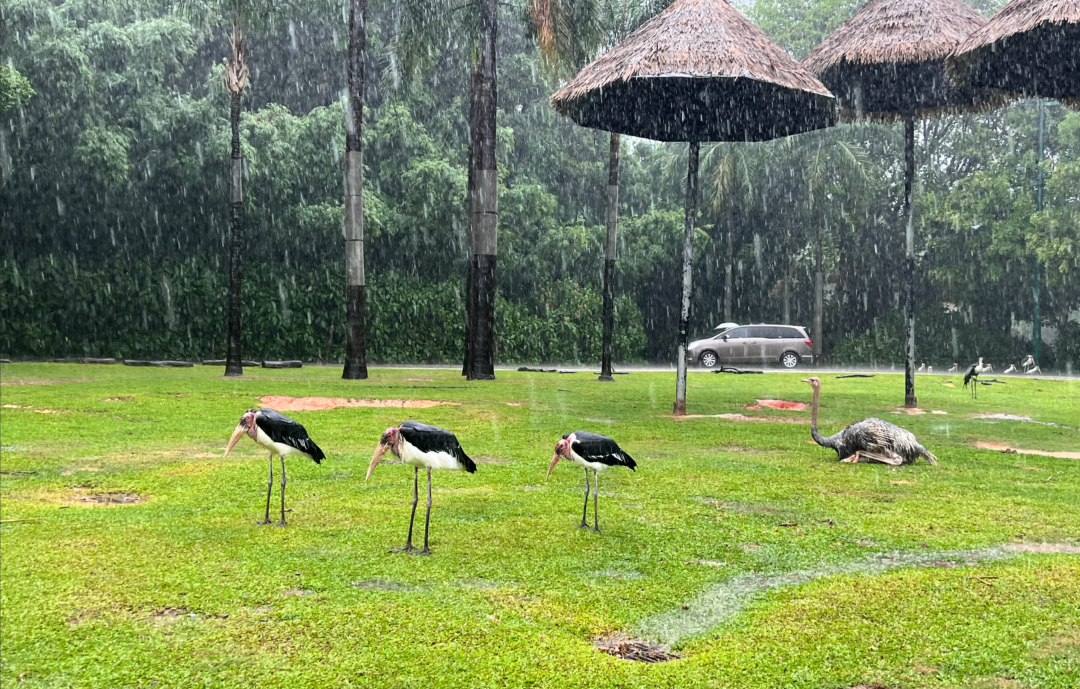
[735,333]
[791,334]
[761,332]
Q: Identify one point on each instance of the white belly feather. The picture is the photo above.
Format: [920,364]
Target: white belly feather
[413,456]
[277,448]
[581,462]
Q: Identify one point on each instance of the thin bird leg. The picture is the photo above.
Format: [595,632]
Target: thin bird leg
[595,498]
[269,490]
[282,522]
[585,510]
[852,459]
[415,499]
[427,518]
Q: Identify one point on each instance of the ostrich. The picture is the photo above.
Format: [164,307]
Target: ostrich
[869,440]
[420,445]
[1029,365]
[972,376]
[591,451]
[282,437]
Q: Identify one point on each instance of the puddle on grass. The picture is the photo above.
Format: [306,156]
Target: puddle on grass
[1016,417]
[112,498]
[722,602]
[383,585]
[283,403]
[1017,451]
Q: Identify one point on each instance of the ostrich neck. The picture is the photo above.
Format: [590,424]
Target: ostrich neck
[813,421]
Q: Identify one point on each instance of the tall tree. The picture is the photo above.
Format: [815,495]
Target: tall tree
[571,34]
[236,73]
[483,210]
[355,346]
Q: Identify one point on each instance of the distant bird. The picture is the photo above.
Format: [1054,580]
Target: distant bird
[1029,365]
[929,369]
[954,368]
[282,436]
[1011,369]
[869,440]
[922,367]
[420,445]
[972,376]
[591,451]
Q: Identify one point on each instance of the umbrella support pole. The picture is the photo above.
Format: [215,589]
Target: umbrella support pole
[609,258]
[687,276]
[910,401]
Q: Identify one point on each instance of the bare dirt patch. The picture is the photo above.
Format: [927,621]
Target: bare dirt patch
[1066,548]
[737,417]
[112,498]
[124,398]
[626,648]
[283,403]
[168,614]
[297,592]
[382,585]
[1017,451]
[783,404]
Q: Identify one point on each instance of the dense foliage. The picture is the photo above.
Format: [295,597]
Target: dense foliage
[115,200]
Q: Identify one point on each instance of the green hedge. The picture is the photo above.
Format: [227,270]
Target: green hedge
[154,309]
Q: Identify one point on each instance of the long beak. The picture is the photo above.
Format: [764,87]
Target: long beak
[380,450]
[806,380]
[236,435]
[554,461]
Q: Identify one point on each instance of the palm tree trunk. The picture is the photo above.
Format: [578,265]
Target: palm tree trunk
[687,277]
[235,80]
[819,286]
[355,346]
[609,256]
[729,258]
[909,288]
[485,208]
[787,270]
[470,201]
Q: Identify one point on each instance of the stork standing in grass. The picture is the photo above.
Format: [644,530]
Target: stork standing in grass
[421,446]
[1030,366]
[972,376]
[595,452]
[282,437]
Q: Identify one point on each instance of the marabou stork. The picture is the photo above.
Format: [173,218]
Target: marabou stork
[1011,369]
[1029,365]
[922,367]
[282,436]
[972,376]
[420,445]
[869,440]
[955,367]
[591,451]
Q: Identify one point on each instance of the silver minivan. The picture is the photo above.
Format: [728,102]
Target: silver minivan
[787,345]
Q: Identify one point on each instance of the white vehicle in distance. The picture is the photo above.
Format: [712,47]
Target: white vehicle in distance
[787,345]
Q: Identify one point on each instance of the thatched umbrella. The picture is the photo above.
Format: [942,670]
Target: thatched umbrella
[888,63]
[698,71]
[1029,48]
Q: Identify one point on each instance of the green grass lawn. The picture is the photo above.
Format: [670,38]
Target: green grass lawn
[750,551]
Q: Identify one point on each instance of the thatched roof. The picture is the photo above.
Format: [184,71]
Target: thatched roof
[700,71]
[888,59]
[1029,48]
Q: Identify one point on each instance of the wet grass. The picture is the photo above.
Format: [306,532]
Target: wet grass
[183,589]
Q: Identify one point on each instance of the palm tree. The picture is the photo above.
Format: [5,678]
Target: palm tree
[355,354]
[571,34]
[236,73]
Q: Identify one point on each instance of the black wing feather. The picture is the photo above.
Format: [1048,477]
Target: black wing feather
[282,429]
[969,375]
[593,447]
[434,439]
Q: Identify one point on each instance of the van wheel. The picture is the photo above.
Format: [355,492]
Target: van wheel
[789,360]
[708,360]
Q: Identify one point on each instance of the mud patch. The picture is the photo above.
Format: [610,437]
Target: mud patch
[723,601]
[737,417]
[626,648]
[1066,548]
[297,592]
[170,615]
[383,585]
[112,498]
[998,447]
[283,403]
[783,404]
